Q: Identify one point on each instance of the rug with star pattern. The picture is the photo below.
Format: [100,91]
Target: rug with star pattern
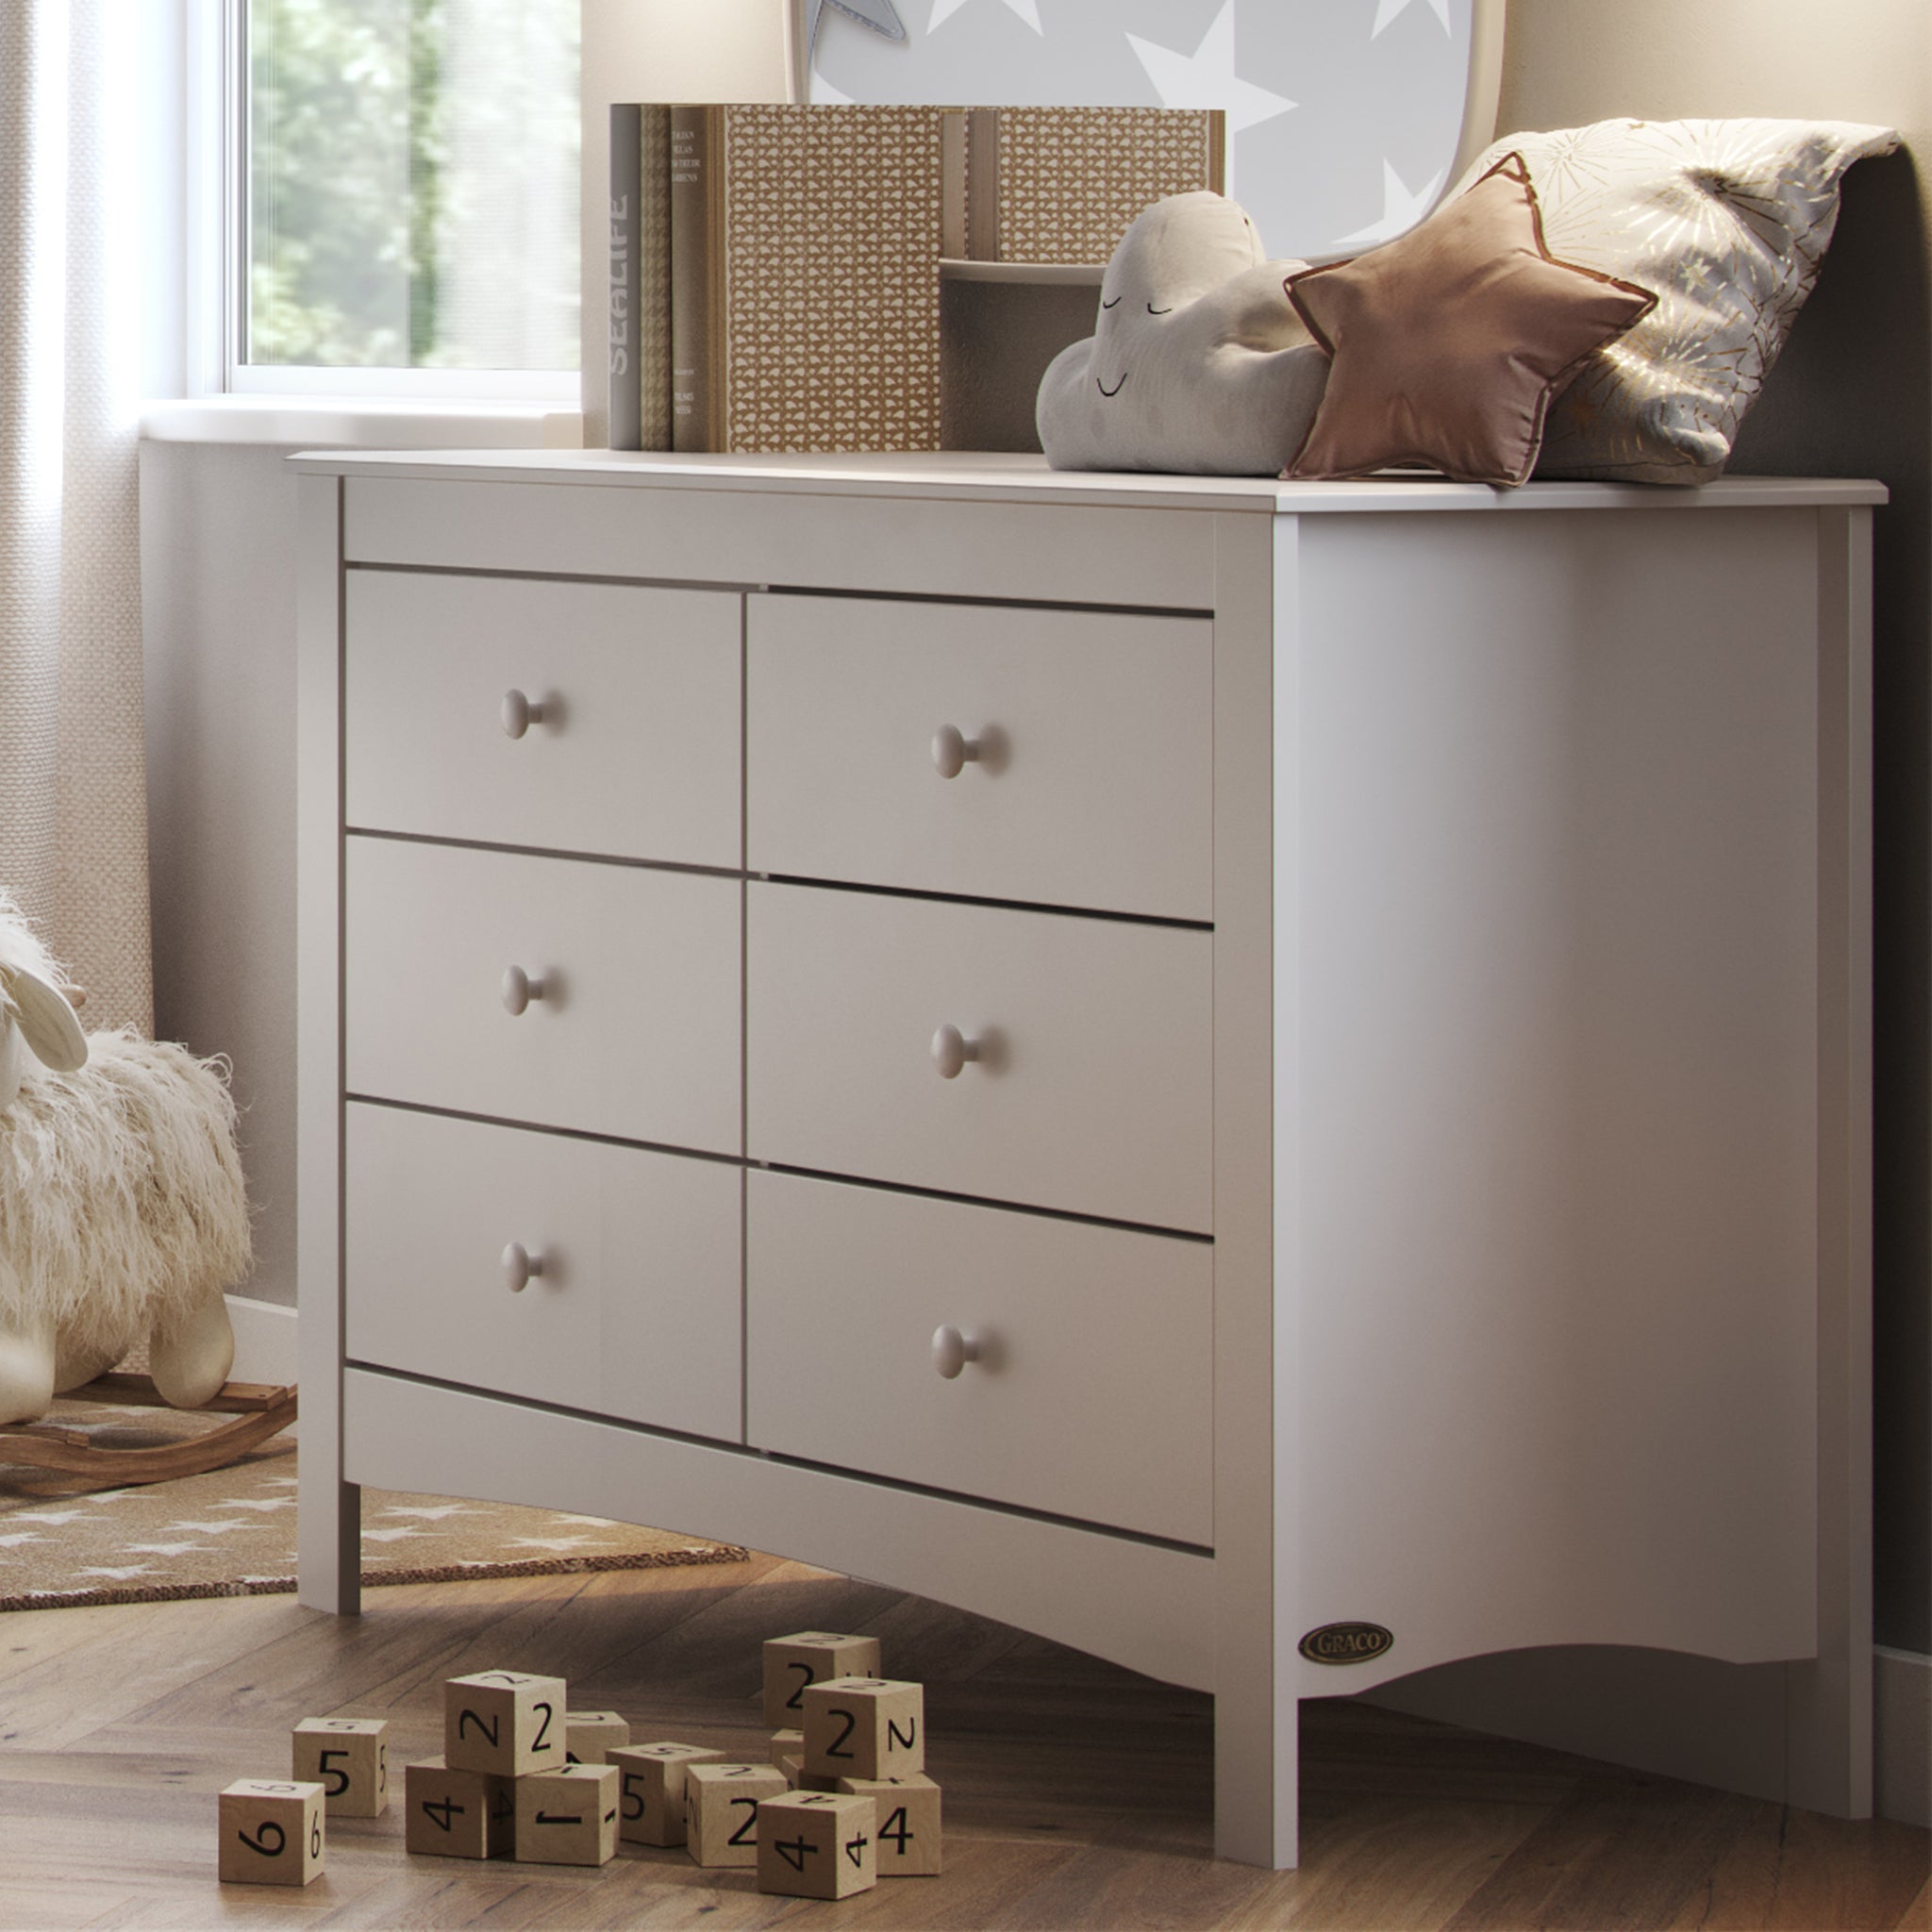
[232,1532]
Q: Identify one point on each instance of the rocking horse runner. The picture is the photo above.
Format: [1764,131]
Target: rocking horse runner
[123,1214]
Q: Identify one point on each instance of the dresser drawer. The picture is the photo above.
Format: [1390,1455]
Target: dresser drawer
[635,1033]
[1093,786]
[1093,1092]
[635,1309]
[1091,1393]
[636,753]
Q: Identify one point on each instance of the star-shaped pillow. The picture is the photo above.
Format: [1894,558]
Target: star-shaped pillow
[1449,344]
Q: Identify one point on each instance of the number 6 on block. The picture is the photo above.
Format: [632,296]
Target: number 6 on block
[271,1832]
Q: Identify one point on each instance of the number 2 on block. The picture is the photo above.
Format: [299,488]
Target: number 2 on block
[750,1824]
[486,1724]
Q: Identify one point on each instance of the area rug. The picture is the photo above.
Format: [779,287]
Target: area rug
[232,1531]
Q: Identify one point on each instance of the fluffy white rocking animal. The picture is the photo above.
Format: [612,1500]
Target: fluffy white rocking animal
[122,1203]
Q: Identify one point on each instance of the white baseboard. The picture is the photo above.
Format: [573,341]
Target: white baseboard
[264,1341]
[1901,1692]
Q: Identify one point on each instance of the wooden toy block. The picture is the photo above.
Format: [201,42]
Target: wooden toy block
[349,1758]
[864,1728]
[909,1844]
[818,1844]
[811,1657]
[721,1811]
[800,1779]
[506,1723]
[568,1817]
[786,1744]
[650,1809]
[588,1735]
[271,1833]
[458,1814]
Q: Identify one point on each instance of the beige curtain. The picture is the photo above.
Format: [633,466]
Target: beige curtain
[72,778]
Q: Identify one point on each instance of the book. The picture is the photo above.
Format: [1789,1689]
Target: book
[799,251]
[639,378]
[1064,184]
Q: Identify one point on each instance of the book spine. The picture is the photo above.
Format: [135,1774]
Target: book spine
[983,191]
[652,324]
[697,193]
[625,162]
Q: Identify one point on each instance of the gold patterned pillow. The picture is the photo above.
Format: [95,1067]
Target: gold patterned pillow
[1727,221]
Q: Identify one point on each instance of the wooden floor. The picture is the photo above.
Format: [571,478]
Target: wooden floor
[1076,1794]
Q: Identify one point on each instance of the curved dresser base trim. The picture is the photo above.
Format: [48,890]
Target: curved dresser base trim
[1143,1607]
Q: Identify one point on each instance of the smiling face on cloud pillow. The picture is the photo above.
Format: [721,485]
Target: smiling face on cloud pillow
[1199,362]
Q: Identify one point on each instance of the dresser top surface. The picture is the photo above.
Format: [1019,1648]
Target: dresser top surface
[990,478]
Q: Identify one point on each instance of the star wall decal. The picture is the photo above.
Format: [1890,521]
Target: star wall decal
[944,10]
[1388,11]
[1400,210]
[1206,77]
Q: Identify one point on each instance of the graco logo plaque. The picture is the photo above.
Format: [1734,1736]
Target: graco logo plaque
[1346,1643]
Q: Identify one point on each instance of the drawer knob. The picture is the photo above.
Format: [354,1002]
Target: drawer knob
[519,989]
[952,1351]
[951,752]
[519,714]
[951,1050]
[520,1267]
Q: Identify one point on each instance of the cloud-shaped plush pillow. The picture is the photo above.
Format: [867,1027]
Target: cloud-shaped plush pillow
[1198,363]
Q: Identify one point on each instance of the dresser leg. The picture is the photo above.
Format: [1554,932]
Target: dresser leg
[1257,1778]
[329,1545]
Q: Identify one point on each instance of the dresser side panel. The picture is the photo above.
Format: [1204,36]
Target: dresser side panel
[1558,1114]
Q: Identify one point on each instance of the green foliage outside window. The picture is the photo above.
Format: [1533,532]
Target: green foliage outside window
[412,175]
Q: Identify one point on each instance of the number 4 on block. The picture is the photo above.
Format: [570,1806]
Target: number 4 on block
[458,1814]
[818,1844]
[909,1833]
[272,1833]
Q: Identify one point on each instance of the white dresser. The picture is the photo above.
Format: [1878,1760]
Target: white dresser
[1184,1063]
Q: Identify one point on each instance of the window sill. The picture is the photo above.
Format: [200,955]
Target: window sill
[357,422]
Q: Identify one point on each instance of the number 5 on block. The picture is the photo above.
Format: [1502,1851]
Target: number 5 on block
[272,1833]
[348,1757]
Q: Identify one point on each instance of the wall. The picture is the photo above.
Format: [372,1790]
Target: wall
[1852,396]
[218,536]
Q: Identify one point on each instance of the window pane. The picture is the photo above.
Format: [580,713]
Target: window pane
[412,184]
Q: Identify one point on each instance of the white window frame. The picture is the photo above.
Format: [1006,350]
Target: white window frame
[218,220]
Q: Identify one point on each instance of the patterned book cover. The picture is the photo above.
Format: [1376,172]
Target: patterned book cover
[805,244]
[824,228]
[1069,180]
